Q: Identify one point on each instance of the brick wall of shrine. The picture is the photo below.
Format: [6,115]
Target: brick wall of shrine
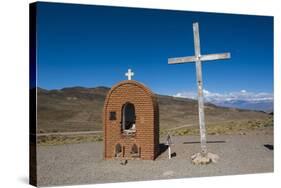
[146,135]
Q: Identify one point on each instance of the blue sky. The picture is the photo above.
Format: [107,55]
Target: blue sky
[80,45]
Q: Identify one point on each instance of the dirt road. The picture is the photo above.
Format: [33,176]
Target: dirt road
[83,163]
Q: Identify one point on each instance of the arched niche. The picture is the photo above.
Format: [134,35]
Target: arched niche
[128,121]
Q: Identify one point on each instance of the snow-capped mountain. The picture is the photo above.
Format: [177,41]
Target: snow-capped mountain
[243,99]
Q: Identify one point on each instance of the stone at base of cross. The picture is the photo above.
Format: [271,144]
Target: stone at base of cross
[200,159]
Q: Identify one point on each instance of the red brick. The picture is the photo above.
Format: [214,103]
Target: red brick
[147,120]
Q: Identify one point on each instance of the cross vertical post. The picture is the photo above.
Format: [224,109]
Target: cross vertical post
[201,113]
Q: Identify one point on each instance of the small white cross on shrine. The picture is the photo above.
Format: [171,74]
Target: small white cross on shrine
[129,74]
[198,59]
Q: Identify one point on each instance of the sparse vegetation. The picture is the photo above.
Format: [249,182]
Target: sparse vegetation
[231,127]
[222,128]
[69,139]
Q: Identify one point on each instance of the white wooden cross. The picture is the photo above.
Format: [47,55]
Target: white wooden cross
[198,58]
[129,74]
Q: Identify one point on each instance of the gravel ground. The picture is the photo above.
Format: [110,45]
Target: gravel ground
[83,163]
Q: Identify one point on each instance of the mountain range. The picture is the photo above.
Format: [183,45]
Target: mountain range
[266,105]
[260,101]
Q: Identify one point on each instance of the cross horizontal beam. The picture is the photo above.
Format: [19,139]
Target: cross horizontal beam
[189,59]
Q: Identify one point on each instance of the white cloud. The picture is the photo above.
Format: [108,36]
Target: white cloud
[217,98]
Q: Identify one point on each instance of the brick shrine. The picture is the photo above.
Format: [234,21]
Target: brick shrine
[131,122]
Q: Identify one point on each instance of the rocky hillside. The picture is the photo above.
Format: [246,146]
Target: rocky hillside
[80,109]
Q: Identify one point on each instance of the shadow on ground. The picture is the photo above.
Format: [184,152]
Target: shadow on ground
[162,148]
[209,142]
